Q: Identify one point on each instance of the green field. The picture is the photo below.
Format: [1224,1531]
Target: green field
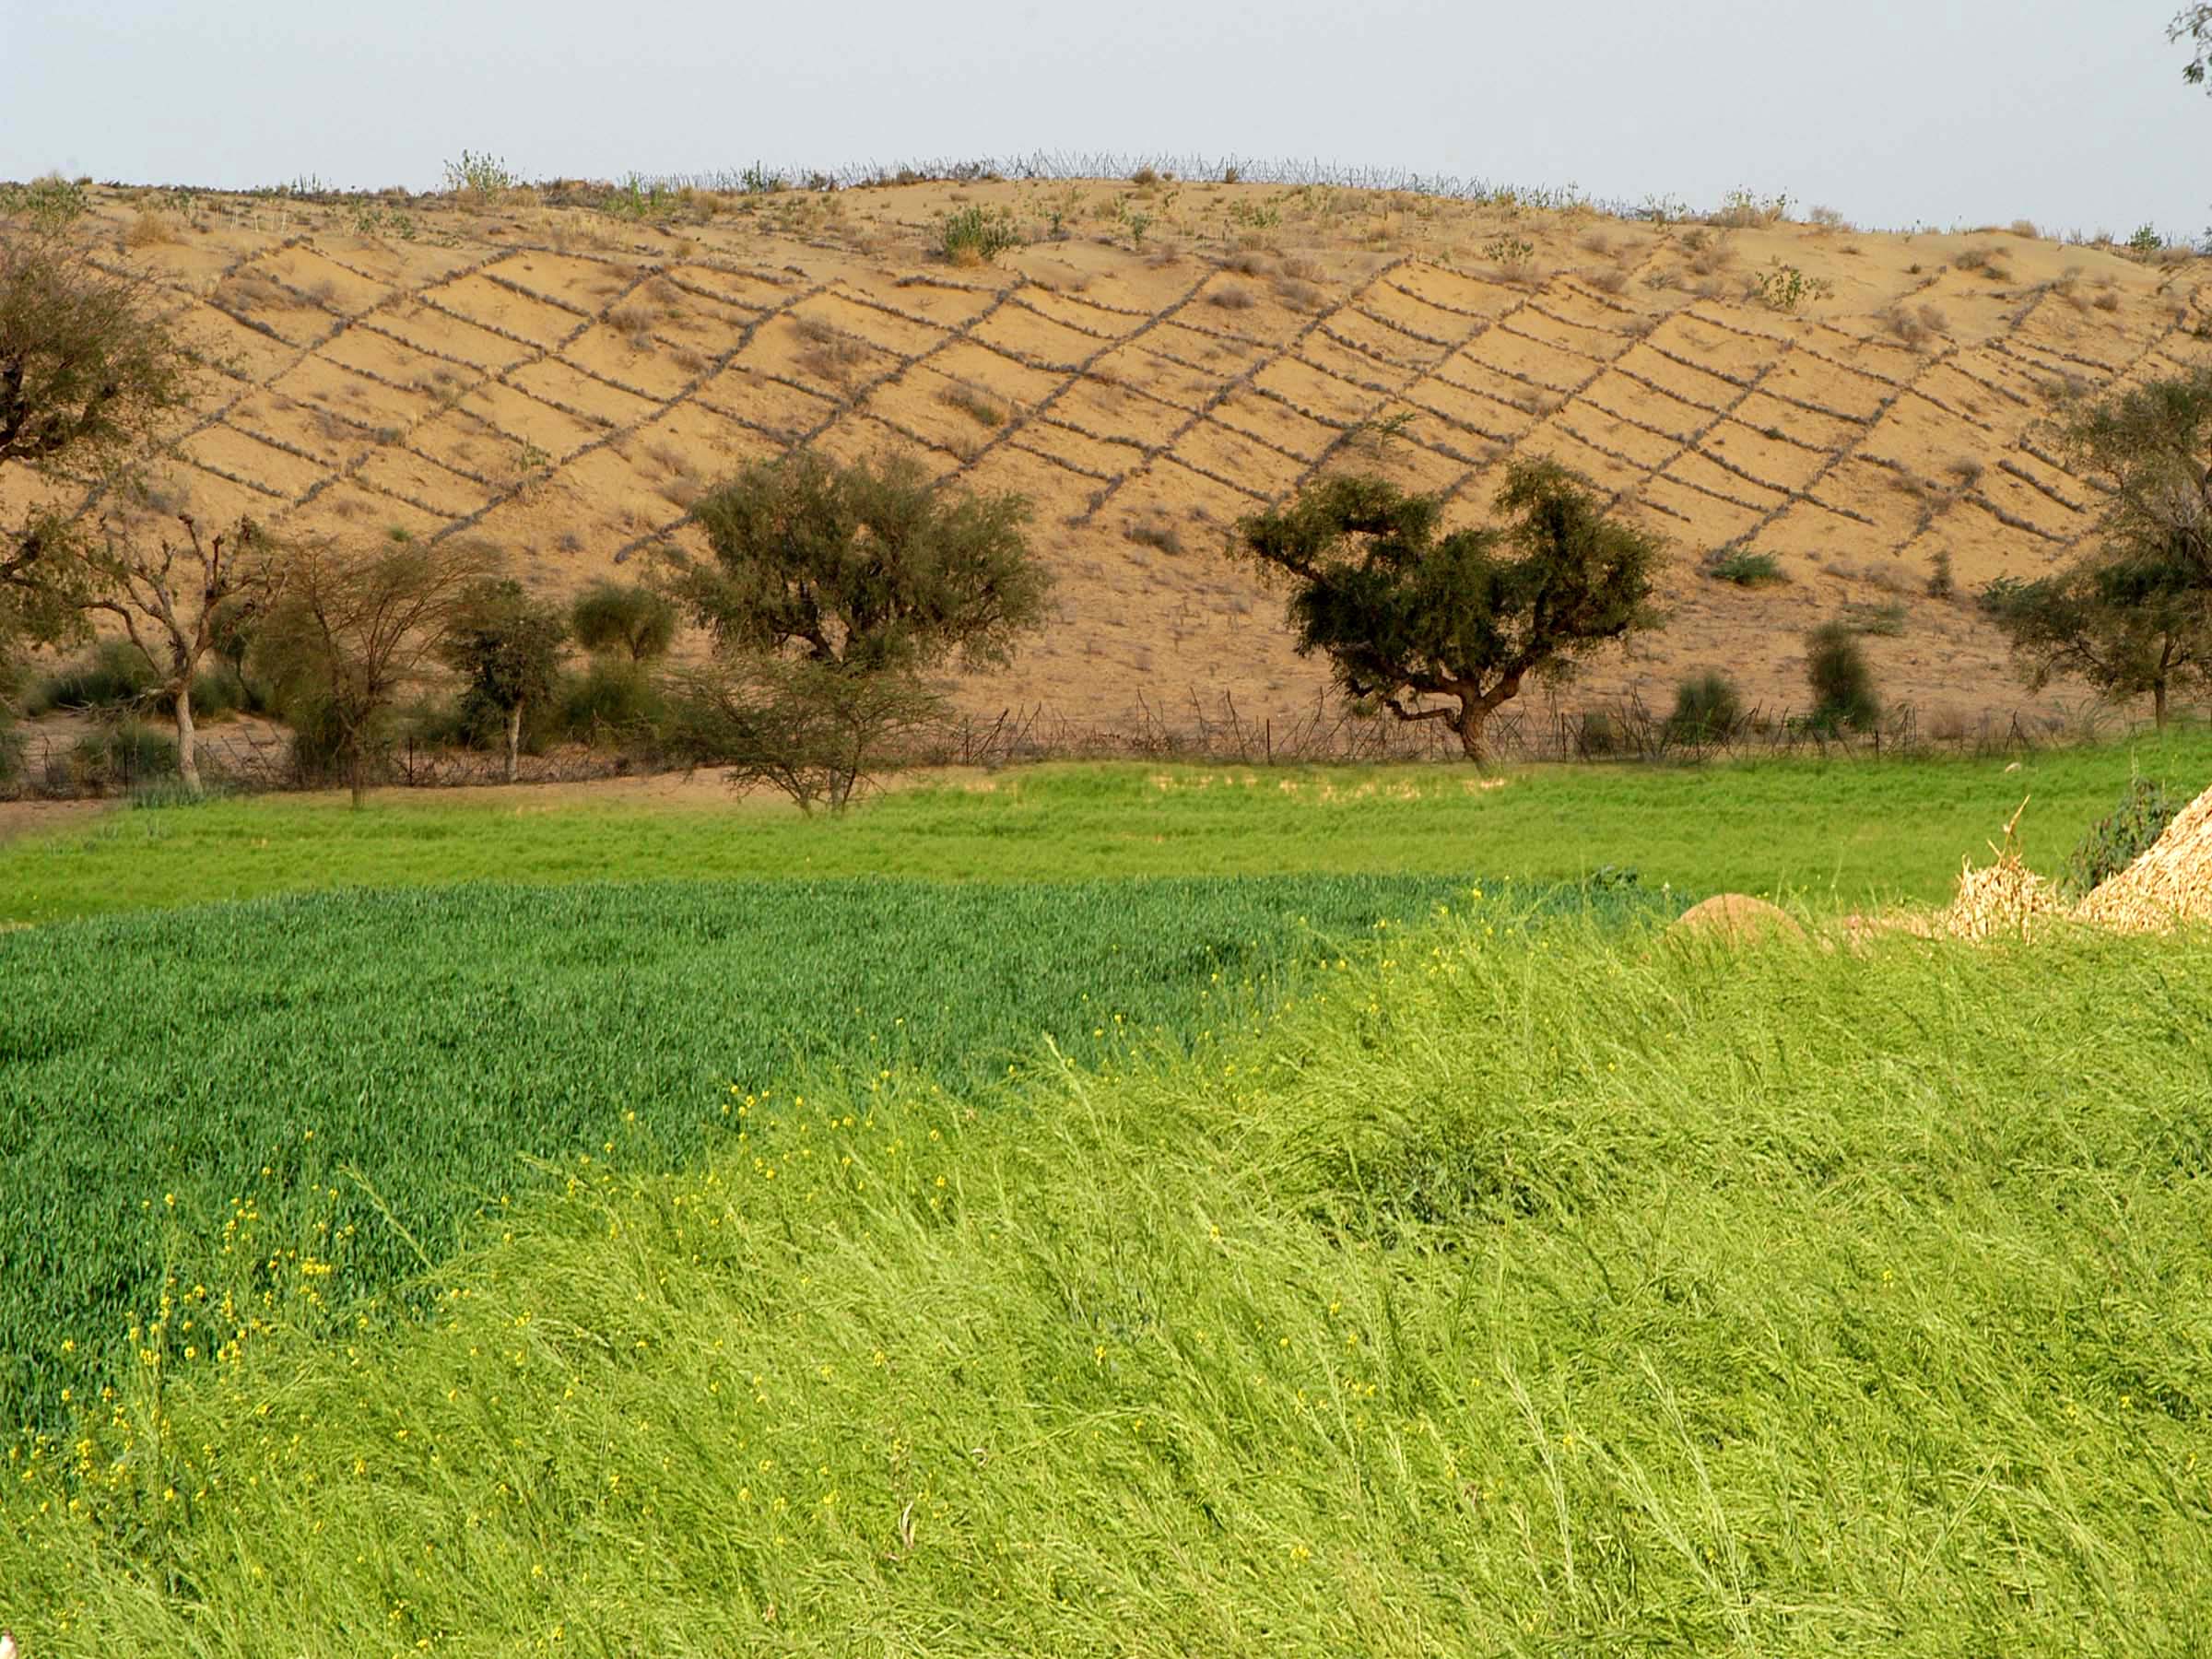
[1844,832]
[363,1071]
[1586,1294]
[1212,1221]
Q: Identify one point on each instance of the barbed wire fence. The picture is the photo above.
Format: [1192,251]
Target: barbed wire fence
[1621,730]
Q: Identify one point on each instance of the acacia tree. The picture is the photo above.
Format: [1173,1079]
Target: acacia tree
[508,648]
[88,374]
[1403,612]
[833,596]
[2133,616]
[352,631]
[634,620]
[176,604]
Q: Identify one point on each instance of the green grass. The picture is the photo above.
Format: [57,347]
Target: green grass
[1845,832]
[1571,1295]
[349,1078]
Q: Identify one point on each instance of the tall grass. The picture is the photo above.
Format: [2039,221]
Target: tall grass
[1509,1295]
[1848,831]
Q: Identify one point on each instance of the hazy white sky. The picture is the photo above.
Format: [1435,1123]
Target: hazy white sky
[2072,112]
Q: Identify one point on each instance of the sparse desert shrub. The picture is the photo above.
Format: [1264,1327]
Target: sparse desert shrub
[2025,229]
[2122,836]
[974,401]
[1784,287]
[1887,620]
[149,230]
[2146,241]
[1231,298]
[1743,566]
[1144,178]
[114,675]
[973,235]
[1300,295]
[1917,326]
[1967,470]
[2109,300]
[484,177]
[121,754]
[1510,253]
[1154,530]
[1299,268]
[1841,678]
[1742,209]
[1608,279]
[1599,736]
[1942,583]
[1707,708]
[1987,261]
[1827,219]
[1247,262]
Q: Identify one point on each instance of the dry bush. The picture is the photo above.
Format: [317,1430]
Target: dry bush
[975,403]
[1892,577]
[1248,264]
[1967,470]
[1914,327]
[1231,298]
[1988,261]
[1300,296]
[1299,268]
[1827,220]
[2024,229]
[149,230]
[1711,288]
[2108,301]
[1597,242]
[688,360]
[1712,257]
[1611,280]
[1154,529]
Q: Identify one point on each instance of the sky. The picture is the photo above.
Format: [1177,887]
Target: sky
[1895,113]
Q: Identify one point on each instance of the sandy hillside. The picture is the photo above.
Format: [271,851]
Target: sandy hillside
[563,381]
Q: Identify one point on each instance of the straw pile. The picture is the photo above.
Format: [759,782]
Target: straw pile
[2169,884]
[2004,900]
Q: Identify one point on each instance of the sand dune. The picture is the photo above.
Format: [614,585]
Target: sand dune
[564,381]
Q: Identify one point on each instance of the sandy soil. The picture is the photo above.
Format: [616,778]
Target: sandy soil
[564,381]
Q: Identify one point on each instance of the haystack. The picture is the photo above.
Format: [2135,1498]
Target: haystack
[2169,884]
[1737,919]
[2006,899]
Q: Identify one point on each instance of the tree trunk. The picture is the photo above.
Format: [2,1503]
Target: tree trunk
[2157,702]
[188,765]
[356,782]
[514,741]
[1474,715]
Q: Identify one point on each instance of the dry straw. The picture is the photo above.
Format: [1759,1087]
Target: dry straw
[2169,884]
[2006,899]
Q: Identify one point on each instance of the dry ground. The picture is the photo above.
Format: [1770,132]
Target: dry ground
[564,381]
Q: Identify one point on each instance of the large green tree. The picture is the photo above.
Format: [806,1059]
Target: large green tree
[2133,615]
[835,594]
[1405,611]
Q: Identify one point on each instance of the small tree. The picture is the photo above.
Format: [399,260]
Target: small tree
[353,629]
[871,577]
[1403,613]
[2126,629]
[2133,616]
[635,620]
[1842,679]
[88,373]
[1708,708]
[508,648]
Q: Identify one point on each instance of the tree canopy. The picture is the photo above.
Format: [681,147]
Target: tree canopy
[1403,612]
[2193,26]
[88,374]
[507,647]
[868,567]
